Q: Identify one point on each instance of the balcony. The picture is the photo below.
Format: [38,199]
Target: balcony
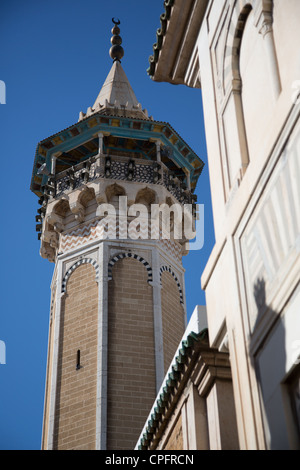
[119,168]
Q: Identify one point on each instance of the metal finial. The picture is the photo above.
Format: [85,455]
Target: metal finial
[116,52]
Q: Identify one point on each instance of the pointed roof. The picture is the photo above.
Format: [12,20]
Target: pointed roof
[116,88]
[116,96]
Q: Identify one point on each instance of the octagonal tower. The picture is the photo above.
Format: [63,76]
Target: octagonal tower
[118,298]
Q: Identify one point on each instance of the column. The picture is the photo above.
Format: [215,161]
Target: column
[54,369]
[101,410]
[158,154]
[194,421]
[100,136]
[157,318]
[215,385]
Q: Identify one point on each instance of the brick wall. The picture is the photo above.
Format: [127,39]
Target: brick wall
[172,317]
[131,357]
[75,423]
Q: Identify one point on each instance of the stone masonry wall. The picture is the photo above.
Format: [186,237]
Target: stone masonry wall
[172,317]
[75,425]
[131,358]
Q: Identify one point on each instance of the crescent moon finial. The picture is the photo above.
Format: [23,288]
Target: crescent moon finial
[116,52]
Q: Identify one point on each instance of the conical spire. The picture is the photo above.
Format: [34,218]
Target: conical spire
[117,89]
[116,96]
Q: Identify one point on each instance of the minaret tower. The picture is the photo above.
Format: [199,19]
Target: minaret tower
[117,294]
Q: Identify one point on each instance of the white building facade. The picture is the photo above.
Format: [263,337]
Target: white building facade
[244,56]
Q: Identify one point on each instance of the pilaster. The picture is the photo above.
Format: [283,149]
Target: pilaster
[263,20]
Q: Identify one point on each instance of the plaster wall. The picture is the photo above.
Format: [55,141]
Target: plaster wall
[273,362]
[249,63]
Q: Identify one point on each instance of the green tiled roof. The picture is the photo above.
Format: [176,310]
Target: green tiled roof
[171,384]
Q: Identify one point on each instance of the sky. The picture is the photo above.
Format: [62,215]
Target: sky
[54,60]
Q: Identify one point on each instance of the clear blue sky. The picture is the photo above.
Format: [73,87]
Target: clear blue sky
[54,60]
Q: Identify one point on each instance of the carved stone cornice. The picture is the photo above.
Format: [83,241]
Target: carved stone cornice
[56,221]
[266,27]
[78,210]
[211,366]
[52,238]
[263,16]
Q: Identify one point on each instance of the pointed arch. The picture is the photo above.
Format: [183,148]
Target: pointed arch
[169,270]
[86,195]
[114,190]
[62,207]
[76,265]
[146,196]
[132,256]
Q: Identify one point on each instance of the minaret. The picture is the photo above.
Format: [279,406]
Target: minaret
[117,294]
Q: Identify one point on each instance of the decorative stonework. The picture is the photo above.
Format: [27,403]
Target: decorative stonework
[174,249]
[95,231]
[142,172]
[132,256]
[76,265]
[75,178]
[96,182]
[169,270]
[79,237]
[236,20]
[270,242]
[266,27]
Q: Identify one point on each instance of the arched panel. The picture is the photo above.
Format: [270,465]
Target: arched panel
[86,196]
[113,192]
[146,196]
[131,383]
[168,269]
[133,256]
[62,208]
[76,265]
[235,146]
[236,26]
[76,390]
[256,92]
[173,314]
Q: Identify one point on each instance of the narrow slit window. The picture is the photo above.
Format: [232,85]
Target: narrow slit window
[78,360]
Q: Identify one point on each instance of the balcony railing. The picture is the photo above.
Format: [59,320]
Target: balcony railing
[118,168]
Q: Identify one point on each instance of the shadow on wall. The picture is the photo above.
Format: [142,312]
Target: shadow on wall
[280,399]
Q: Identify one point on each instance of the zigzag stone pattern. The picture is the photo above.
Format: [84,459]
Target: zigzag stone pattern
[78,237]
[95,231]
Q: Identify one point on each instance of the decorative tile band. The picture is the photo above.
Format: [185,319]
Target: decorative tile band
[132,256]
[76,265]
[169,270]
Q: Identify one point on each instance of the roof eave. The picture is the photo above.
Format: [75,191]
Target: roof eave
[176,41]
[43,155]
